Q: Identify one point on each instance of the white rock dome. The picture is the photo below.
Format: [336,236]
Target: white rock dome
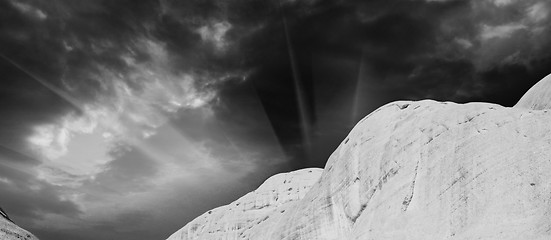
[538,97]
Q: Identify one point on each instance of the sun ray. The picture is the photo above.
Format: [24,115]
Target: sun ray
[357,90]
[14,166]
[234,147]
[74,102]
[299,90]
[12,151]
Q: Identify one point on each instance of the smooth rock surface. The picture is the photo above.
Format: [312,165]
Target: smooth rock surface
[538,97]
[431,170]
[10,231]
[419,170]
[235,220]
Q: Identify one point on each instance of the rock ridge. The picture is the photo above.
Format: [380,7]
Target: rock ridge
[235,220]
[10,231]
[425,170]
[538,97]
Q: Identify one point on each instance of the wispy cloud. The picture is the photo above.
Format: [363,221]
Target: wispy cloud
[502,3]
[128,106]
[122,146]
[500,31]
[464,43]
[29,10]
[538,12]
[215,34]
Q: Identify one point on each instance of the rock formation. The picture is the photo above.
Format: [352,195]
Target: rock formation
[10,231]
[538,97]
[415,170]
[235,220]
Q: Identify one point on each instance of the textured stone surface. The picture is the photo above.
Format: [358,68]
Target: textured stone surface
[235,220]
[430,170]
[10,231]
[421,170]
[538,97]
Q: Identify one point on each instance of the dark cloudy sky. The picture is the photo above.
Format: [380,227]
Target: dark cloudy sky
[126,119]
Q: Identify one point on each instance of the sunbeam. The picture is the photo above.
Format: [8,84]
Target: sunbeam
[4,148]
[74,102]
[13,167]
[234,146]
[299,91]
[357,90]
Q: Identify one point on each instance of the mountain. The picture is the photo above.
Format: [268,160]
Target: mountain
[10,231]
[415,170]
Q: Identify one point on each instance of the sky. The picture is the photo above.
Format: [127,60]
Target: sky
[127,119]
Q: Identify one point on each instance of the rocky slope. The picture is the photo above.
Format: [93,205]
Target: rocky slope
[235,220]
[10,231]
[421,170]
[538,97]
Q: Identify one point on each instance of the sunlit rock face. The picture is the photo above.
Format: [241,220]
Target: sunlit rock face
[10,231]
[235,220]
[415,170]
[538,97]
[432,170]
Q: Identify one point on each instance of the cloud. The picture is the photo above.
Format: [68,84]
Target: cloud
[502,3]
[173,169]
[27,198]
[464,42]
[215,34]
[133,71]
[538,12]
[130,82]
[29,10]
[505,38]
[51,140]
[438,0]
[501,31]
[128,106]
